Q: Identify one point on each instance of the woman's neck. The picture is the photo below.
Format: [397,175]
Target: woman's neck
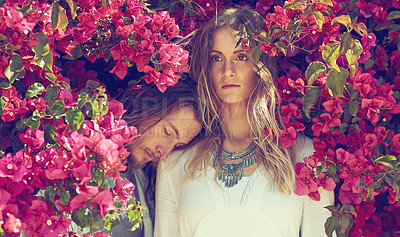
[236,127]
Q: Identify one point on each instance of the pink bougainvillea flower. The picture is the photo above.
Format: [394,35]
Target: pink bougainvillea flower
[288,111]
[33,138]
[364,83]
[368,41]
[16,20]
[120,69]
[305,183]
[333,106]
[13,224]
[268,49]
[97,234]
[326,182]
[331,120]
[105,201]
[124,190]
[372,106]
[289,135]
[11,170]
[367,9]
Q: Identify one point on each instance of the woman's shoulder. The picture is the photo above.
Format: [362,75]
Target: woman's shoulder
[178,158]
[305,146]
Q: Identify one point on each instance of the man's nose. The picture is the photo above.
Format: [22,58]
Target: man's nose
[163,150]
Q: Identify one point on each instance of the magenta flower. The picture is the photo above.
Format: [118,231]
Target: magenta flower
[10,170]
[367,9]
[105,202]
[372,106]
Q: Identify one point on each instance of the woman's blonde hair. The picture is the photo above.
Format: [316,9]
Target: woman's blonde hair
[261,108]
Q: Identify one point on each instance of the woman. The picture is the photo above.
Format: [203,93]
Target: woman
[236,181]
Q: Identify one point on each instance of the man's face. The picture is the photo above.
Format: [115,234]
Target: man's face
[157,142]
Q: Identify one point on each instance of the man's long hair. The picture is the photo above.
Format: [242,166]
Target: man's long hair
[147,106]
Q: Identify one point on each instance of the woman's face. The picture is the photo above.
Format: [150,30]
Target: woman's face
[232,72]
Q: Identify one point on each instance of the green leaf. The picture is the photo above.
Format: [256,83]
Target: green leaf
[309,99]
[332,170]
[314,71]
[27,9]
[343,127]
[51,77]
[393,15]
[335,81]
[110,222]
[345,223]
[345,42]
[57,107]
[15,69]
[43,55]
[361,29]
[21,125]
[82,98]
[256,53]
[103,107]
[172,6]
[74,119]
[354,53]
[330,54]
[92,84]
[135,218]
[110,182]
[319,18]
[55,15]
[34,121]
[330,225]
[327,2]
[344,20]
[354,105]
[34,90]
[387,160]
[49,193]
[5,85]
[297,4]
[51,93]
[49,136]
[348,208]
[280,45]
[65,196]
[72,7]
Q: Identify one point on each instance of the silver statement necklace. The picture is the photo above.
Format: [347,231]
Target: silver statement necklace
[231,173]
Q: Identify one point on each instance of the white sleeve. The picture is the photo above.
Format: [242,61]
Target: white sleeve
[166,217]
[315,214]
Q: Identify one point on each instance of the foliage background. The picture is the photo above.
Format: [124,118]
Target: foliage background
[61,62]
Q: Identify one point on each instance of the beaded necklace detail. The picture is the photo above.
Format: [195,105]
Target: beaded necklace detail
[231,173]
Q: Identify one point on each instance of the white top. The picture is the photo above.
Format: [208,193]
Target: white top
[204,207]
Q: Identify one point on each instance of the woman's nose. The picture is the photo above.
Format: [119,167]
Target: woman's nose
[229,69]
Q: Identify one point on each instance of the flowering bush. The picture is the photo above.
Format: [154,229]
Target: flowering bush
[338,79]
[62,138]
[62,145]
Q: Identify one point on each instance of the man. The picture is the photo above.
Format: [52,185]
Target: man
[166,121]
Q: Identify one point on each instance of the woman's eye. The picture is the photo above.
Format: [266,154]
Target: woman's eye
[215,58]
[242,58]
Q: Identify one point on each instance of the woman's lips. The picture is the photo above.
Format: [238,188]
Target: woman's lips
[228,86]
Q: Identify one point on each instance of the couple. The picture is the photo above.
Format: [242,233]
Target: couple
[233,180]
